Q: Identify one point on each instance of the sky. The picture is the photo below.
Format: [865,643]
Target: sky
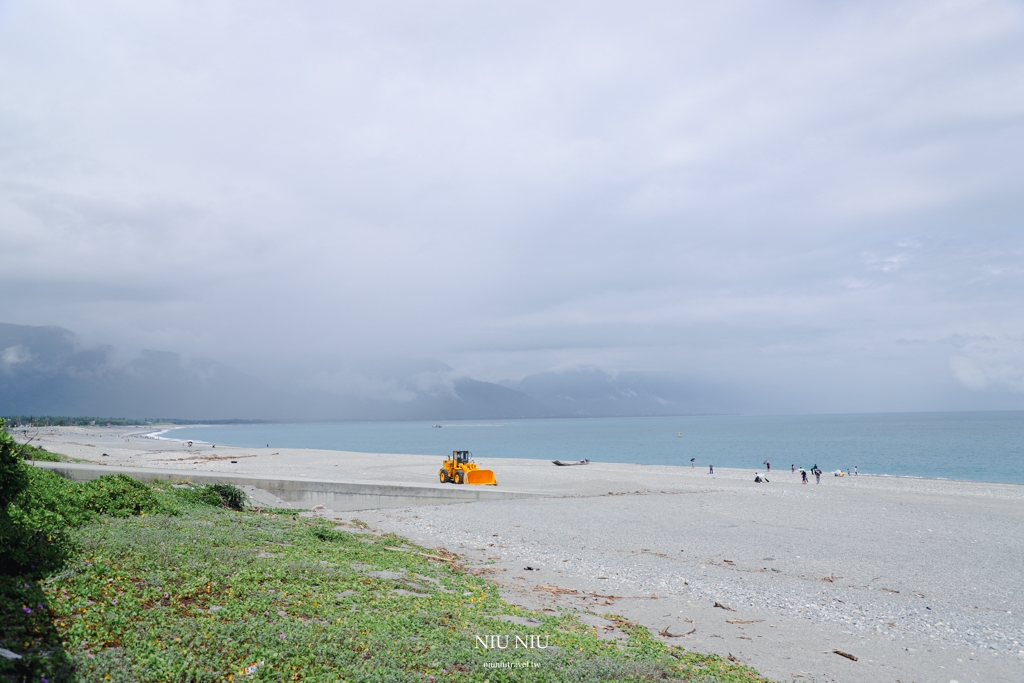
[817,205]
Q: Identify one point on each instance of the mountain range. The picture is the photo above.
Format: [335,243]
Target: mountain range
[48,371]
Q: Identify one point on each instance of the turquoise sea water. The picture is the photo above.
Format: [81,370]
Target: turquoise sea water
[968,446]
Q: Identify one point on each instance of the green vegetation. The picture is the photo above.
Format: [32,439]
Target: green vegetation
[167,583]
[30,452]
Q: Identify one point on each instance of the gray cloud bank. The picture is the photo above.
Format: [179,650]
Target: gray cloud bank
[773,208]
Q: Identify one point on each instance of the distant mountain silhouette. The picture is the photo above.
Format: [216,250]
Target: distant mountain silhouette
[47,371]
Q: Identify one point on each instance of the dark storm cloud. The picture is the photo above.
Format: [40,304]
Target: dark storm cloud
[775,198]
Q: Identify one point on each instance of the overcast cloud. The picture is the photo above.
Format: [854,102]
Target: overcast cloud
[818,205]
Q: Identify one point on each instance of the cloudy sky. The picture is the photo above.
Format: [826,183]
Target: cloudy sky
[818,205]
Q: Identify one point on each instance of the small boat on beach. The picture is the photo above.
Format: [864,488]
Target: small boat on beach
[570,464]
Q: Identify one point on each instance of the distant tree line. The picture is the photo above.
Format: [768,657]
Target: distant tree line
[14,421]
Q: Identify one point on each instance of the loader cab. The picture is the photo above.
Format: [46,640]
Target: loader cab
[461,456]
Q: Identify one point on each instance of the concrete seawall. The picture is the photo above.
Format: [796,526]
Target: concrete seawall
[303,493]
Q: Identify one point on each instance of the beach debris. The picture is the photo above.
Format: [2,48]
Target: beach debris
[7,654]
[437,558]
[480,571]
[528,568]
[554,590]
[852,658]
[218,457]
[441,555]
[251,669]
[521,621]
[667,634]
[889,590]
[729,561]
[725,607]
[444,552]
[622,622]
[830,578]
[731,658]
[742,621]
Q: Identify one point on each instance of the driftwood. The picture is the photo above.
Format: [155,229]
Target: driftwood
[842,654]
[725,607]
[554,590]
[652,596]
[622,622]
[665,631]
[481,571]
[742,621]
[446,560]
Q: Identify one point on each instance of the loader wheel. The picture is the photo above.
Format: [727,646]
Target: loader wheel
[443,474]
[459,476]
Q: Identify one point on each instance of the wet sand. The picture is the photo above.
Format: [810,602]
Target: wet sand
[919,579]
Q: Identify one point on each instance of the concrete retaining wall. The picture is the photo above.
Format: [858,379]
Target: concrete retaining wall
[302,493]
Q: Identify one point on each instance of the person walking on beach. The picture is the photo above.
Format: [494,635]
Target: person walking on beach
[855,470]
[817,475]
[711,469]
[803,475]
[692,465]
[792,468]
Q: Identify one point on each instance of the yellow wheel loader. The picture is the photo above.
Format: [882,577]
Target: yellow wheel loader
[460,469]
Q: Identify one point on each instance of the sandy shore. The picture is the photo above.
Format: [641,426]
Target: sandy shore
[921,580]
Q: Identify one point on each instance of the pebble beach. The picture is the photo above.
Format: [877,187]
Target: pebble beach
[857,578]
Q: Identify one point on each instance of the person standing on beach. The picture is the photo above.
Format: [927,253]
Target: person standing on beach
[692,465]
[792,468]
[768,464]
[855,470]
[803,476]
[711,469]
[817,475]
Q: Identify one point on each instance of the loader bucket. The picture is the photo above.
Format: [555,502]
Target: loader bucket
[482,477]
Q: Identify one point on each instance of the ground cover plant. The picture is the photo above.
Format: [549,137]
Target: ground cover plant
[168,583]
[30,452]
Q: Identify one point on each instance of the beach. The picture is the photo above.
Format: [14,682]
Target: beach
[918,579]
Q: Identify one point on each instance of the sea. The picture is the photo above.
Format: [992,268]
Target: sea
[974,446]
